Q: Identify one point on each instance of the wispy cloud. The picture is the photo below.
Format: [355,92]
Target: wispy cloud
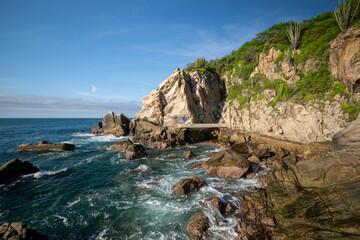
[18,101]
[93,88]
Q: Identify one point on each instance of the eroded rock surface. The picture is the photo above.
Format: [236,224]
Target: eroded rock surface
[112,124]
[131,150]
[13,169]
[44,146]
[188,185]
[19,231]
[198,227]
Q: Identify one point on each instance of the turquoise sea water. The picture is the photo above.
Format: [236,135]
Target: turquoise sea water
[92,193]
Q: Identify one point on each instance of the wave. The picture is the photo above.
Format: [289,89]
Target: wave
[44,173]
[98,138]
[73,203]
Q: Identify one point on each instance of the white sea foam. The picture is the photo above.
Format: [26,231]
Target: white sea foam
[64,219]
[73,203]
[44,173]
[142,167]
[102,234]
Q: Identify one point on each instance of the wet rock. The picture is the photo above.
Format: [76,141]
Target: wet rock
[171,155]
[250,175]
[222,206]
[19,231]
[198,227]
[44,146]
[131,150]
[196,165]
[188,154]
[15,168]
[135,151]
[122,145]
[188,185]
[97,128]
[227,164]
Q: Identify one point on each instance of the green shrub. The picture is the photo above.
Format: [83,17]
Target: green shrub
[352,109]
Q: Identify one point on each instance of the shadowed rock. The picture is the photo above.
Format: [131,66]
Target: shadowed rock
[44,146]
[222,206]
[19,231]
[188,154]
[13,169]
[188,185]
[227,164]
[198,227]
[131,150]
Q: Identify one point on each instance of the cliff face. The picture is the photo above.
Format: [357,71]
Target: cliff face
[183,98]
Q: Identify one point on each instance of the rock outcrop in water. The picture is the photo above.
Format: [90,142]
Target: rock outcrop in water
[13,169]
[112,124]
[188,185]
[131,150]
[19,231]
[44,146]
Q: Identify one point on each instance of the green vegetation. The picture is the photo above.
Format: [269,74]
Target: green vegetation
[293,34]
[345,14]
[311,40]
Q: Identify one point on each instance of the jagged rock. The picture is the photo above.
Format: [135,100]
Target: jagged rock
[198,227]
[135,151]
[227,164]
[19,231]
[349,136]
[188,185]
[115,124]
[254,159]
[15,168]
[97,128]
[222,206]
[240,148]
[122,145]
[44,146]
[344,61]
[188,154]
[262,153]
[131,150]
[183,98]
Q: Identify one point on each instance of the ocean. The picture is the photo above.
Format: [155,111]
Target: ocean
[92,193]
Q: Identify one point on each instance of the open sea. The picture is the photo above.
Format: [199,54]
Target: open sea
[92,193]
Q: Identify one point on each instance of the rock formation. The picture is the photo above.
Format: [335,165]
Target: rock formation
[44,146]
[19,231]
[188,185]
[112,124]
[13,169]
[188,154]
[345,58]
[131,150]
[220,204]
[198,226]
[183,98]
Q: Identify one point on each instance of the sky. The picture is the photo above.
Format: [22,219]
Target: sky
[83,58]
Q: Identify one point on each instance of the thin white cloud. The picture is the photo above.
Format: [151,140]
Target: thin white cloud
[26,102]
[93,88]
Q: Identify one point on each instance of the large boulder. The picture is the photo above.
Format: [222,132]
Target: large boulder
[188,185]
[183,98]
[44,146]
[112,124]
[227,164]
[15,168]
[344,61]
[198,227]
[188,154]
[131,150]
[19,231]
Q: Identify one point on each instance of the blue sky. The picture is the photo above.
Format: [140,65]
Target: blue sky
[75,58]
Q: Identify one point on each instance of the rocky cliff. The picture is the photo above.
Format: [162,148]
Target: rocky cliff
[184,98]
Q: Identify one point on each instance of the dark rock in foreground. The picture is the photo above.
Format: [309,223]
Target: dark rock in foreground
[44,146]
[188,185]
[198,226]
[131,150]
[227,164]
[19,231]
[15,168]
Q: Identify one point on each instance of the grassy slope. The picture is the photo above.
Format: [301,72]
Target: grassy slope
[316,34]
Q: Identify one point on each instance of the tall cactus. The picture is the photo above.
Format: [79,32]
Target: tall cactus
[343,14]
[293,34]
